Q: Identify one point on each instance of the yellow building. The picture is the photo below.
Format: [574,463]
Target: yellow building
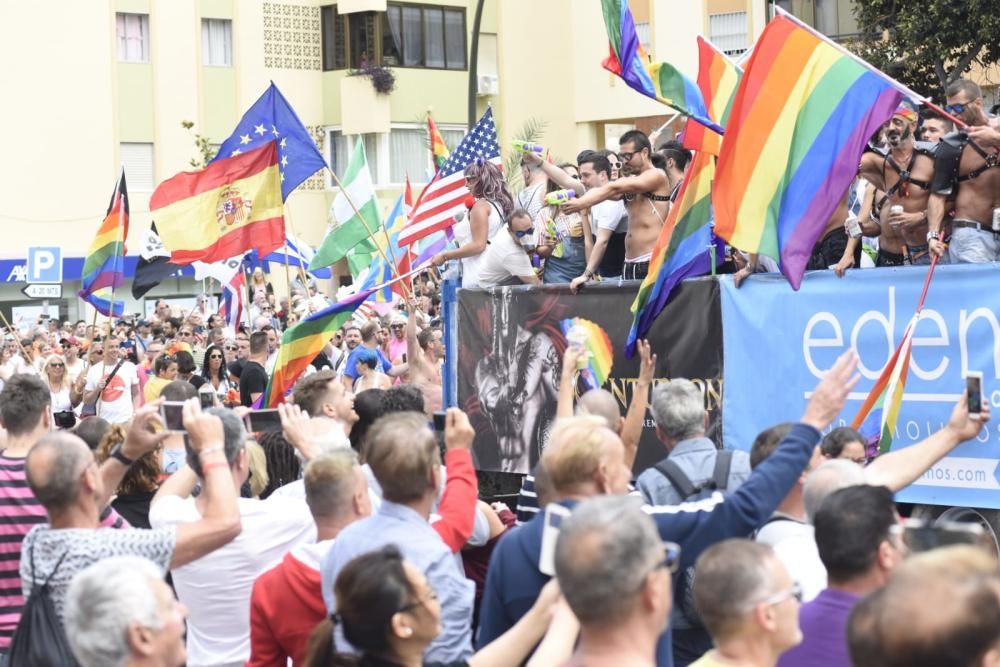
[119,77]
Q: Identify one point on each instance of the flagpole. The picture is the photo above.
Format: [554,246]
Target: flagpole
[17,339]
[246,288]
[391,263]
[120,258]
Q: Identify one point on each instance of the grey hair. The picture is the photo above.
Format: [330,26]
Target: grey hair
[679,408]
[605,550]
[234,436]
[831,476]
[103,600]
[729,579]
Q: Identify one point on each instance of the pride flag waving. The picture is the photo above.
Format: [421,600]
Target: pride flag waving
[718,79]
[802,115]
[104,266]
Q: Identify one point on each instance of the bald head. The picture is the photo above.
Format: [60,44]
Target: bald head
[53,469]
[828,478]
[601,403]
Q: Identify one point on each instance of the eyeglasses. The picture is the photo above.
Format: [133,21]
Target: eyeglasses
[57,366]
[397,326]
[431,595]
[215,356]
[956,108]
[794,592]
[231,348]
[471,179]
[625,157]
[521,233]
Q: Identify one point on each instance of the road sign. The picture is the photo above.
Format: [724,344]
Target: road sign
[45,265]
[42,291]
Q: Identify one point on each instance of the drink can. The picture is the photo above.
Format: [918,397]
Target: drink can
[996,219]
[853,227]
[896,209]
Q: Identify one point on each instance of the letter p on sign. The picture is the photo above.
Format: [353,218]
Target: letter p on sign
[45,265]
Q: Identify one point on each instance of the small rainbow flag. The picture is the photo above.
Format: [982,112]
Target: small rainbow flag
[104,266]
[301,343]
[662,82]
[718,79]
[681,250]
[439,149]
[600,355]
[802,114]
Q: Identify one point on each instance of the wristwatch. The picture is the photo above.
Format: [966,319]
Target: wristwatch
[116,453]
[933,235]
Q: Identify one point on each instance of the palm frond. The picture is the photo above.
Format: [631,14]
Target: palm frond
[532,130]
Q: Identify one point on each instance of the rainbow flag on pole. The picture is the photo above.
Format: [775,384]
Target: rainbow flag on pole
[104,266]
[802,114]
[682,249]
[301,343]
[439,149]
[662,82]
[718,79]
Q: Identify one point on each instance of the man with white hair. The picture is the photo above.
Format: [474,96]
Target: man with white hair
[615,574]
[748,602]
[120,613]
[217,588]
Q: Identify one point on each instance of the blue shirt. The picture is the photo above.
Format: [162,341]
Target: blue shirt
[351,365]
[696,458]
[422,547]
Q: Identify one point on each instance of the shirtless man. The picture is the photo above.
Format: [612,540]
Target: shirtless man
[646,192]
[833,245]
[964,165]
[425,351]
[903,175]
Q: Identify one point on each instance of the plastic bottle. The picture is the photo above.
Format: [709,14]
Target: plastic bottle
[559,197]
[577,337]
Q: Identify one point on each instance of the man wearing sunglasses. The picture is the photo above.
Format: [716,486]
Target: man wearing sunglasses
[967,181]
[506,260]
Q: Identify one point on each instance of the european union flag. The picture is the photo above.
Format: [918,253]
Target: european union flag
[272,117]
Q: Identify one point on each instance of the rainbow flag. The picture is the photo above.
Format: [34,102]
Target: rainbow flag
[104,266]
[876,420]
[801,117]
[439,149]
[663,82]
[718,79]
[600,355]
[381,271]
[301,343]
[680,251]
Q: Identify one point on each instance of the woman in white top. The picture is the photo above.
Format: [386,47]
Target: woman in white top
[214,370]
[57,380]
[493,205]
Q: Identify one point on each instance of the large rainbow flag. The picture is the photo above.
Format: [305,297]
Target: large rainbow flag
[381,271]
[801,117]
[104,266]
[681,250]
[301,343]
[718,79]
[662,82]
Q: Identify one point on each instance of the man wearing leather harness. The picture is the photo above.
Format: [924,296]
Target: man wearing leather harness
[903,174]
[646,192]
[970,174]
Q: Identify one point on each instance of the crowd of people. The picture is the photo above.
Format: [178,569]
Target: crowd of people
[349,529]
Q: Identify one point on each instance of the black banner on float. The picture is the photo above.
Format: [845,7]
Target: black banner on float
[510,347]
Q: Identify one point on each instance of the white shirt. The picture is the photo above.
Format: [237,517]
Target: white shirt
[74,369]
[609,214]
[503,258]
[216,588]
[115,402]
[794,544]
[463,236]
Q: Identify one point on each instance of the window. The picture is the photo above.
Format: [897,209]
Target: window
[642,32]
[394,156]
[403,36]
[133,37]
[217,42]
[138,162]
[729,32]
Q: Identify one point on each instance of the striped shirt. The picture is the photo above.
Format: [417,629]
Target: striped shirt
[19,512]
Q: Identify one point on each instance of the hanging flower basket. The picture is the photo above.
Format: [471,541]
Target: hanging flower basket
[383,79]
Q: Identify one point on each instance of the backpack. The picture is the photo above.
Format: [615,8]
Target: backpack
[40,640]
[685,615]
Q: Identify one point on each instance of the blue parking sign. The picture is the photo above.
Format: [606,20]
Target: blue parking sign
[44,265]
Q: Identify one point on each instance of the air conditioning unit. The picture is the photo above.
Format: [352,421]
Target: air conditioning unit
[488,84]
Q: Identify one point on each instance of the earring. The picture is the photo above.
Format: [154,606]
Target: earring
[407,632]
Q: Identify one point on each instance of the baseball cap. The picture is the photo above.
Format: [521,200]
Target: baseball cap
[72,341]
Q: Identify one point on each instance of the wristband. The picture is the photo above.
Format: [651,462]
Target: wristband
[210,450]
[215,464]
[934,235]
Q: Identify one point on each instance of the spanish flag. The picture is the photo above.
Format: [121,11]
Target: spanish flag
[224,210]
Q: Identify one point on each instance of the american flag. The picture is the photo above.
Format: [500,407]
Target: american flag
[231,309]
[445,194]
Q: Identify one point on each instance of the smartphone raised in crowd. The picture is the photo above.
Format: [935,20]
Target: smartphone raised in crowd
[260,421]
[439,422]
[554,515]
[922,535]
[974,391]
[172,413]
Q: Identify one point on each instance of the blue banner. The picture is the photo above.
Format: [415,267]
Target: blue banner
[779,342]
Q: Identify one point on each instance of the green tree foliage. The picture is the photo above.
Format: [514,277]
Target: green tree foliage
[202,144]
[927,44]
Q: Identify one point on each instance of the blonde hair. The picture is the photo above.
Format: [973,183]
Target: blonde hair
[257,460]
[575,451]
[66,384]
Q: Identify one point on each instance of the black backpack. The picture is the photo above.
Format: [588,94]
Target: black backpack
[685,615]
[40,640]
